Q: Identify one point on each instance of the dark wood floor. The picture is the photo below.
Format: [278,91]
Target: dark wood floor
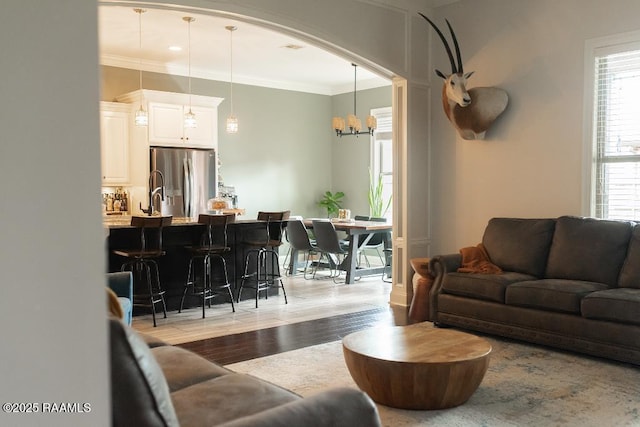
[264,342]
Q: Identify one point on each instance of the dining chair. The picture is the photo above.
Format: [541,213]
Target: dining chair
[299,240]
[329,246]
[375,242]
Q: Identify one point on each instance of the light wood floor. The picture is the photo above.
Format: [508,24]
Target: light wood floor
[308,300]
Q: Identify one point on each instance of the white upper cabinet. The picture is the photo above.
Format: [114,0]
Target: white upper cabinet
[166,125]
[166,118]
[114,142]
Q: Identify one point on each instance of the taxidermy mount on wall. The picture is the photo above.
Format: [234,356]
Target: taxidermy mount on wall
[470,111]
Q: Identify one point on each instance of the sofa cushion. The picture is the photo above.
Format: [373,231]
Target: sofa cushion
[588,249]
[630,274]
[226,398]
[551,294]
[139,392]
[504,240]
[488,287]
[616,305]
[183,368]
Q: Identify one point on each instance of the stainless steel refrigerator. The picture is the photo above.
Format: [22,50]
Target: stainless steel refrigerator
[190,179]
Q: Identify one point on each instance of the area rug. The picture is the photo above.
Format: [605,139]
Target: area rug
[525,385]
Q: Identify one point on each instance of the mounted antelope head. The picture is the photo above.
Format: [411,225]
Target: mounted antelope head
[470,111]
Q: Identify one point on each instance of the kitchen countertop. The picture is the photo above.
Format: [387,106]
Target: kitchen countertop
[124,221]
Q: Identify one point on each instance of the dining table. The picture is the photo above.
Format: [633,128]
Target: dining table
[357,231]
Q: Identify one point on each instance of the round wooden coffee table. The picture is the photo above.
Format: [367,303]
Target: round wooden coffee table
[416,366]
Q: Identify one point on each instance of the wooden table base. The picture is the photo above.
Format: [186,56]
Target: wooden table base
[417,366]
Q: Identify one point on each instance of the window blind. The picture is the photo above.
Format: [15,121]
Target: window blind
[617,135]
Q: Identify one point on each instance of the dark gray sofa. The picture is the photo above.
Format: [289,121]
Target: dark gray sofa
[571,283]
[155,384]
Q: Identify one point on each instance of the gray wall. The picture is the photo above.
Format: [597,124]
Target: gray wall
[351,155]
[285,155]
[53,304]
[531,164]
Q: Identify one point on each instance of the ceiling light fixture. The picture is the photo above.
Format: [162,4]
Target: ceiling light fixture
[189,118]
[141,117]
[353,122]
[232,120]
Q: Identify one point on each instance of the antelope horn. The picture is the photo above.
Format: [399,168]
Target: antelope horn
[455,44]
[444,42]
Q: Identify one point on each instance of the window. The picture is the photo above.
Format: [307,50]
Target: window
[382,154]
[616,132]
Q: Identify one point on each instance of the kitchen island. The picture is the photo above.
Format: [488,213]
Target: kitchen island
[173,266]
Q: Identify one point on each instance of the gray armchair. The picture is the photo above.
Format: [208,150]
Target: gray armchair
[121,283]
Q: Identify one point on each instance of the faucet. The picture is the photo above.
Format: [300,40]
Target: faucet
[154,192]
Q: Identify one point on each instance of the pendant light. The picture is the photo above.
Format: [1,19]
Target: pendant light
[141,118]
[189,118]
[232,120]
[353,122]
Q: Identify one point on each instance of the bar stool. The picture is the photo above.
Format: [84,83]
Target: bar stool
[213,245]
[263,242]
[142,262]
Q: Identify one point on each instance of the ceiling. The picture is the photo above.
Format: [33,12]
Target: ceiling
[261,56]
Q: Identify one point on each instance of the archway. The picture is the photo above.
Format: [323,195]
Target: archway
[299,28]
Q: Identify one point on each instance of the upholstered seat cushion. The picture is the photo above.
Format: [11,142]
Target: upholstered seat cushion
[588,249]
[551,294]
[183,368]
[490,287]
[616,305]
[227,398]
[504,241]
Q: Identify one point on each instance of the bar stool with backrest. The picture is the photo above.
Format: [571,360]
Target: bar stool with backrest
[211,250]
[142,262]
[262,242]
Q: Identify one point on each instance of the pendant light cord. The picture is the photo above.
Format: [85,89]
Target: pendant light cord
[355,80]
[189,32]
[231,30]
[140,46]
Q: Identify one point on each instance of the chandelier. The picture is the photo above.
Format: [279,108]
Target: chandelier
[353,122]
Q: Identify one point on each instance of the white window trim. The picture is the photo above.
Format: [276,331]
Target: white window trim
[374,149]
[593,48]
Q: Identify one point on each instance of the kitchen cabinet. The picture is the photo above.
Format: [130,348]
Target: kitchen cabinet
[114,142]
[166,125]
[166,118]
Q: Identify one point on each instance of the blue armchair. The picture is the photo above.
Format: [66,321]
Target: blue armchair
[121,283]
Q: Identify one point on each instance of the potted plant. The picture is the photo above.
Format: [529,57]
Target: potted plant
[377,206]
[331,202]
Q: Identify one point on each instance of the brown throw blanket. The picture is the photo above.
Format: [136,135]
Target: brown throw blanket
[476,260]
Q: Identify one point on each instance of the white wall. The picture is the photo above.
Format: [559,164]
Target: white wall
[530,164]
[52,303]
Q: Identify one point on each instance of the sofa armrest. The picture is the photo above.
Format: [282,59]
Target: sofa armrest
[332,408]
[439,266]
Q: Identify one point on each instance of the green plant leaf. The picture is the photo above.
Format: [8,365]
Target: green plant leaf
[331,202]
